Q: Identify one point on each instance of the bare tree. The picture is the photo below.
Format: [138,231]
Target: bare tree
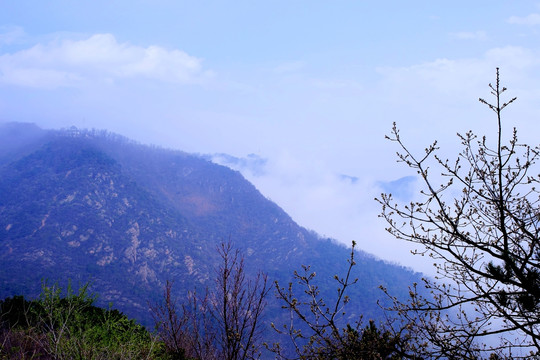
[317,328]
[481,227]
[225,323]
[237,306]
[171,323]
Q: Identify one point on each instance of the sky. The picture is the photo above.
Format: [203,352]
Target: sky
[299,95]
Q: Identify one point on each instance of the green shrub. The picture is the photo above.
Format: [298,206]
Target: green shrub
[67,325]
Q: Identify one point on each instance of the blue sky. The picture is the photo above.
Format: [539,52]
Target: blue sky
[310,87]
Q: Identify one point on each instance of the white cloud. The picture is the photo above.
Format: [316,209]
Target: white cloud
[430,100]
[37,78]
[531,20]
[464,76]
[436,99]
[466,35]
[10,34]
[100,57]
[335,206]
[513,57]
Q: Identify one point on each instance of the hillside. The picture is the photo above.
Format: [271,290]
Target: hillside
[94,206]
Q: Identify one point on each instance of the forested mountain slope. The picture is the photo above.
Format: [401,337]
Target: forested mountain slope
[93,206]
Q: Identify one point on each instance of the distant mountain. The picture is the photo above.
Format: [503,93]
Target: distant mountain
[402,188]
[252,162]
[94,206]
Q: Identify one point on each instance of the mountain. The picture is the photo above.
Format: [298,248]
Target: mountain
[94,206]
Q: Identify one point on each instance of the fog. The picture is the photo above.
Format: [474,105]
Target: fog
[311,88]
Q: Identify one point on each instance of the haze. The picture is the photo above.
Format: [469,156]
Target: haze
[300,93]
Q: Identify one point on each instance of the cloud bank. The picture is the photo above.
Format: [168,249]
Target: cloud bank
[72,63]
[530,20]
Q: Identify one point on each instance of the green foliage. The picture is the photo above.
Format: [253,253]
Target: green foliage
[68,326]
[371,343]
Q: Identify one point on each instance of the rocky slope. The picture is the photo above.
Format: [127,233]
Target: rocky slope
[91,206]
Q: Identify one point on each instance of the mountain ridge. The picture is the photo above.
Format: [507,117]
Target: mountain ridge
[94,206]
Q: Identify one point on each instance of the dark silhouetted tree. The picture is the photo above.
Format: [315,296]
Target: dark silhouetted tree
[481,227]
[317,331]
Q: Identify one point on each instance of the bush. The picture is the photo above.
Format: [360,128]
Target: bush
[69,326]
